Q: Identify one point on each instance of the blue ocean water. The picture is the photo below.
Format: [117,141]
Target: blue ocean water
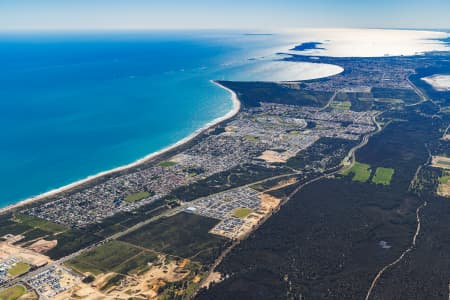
[74,104]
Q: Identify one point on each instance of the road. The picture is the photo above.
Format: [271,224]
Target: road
[329,172]
[423,97]
[330,101]
[399,259]
[60,261]
[171,212]
[350,159]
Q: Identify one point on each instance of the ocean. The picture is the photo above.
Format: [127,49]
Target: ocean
[74,104]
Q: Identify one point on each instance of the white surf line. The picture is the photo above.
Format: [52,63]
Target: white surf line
[57,191]
[413,244]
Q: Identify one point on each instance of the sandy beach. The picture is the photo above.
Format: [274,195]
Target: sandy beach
[145,159]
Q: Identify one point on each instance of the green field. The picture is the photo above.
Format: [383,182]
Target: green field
[137,196]
[443,162]
[39,223]
[389,100]
[383,176]
[13,293]
[114,256]
[183,235]
[242,212]
[167,163]
[19,269]
[342,105]
[251,138]
[361,172]
[445,178]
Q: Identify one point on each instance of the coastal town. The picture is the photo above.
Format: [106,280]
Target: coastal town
[271,133]
[161,229]
[266,136]
[224,150]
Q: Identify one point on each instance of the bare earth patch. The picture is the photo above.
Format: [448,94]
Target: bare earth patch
[441,162]
[26,255]
[276,157]
[42,246]
[282,184]
[444,190]
[82,291]
[213,277]
[138,286]
[230,128]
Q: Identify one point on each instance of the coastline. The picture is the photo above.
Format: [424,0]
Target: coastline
[235,109]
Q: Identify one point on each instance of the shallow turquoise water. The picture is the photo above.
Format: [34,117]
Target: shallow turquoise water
[75,104]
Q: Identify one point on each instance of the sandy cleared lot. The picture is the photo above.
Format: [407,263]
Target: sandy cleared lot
[28,256]
[138,286]
[441,162]
[275,157]
[213,277]
[42,246]
[444,189]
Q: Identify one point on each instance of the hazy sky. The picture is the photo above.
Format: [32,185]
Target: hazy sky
[263,14]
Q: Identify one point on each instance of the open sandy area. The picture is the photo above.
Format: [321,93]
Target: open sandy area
[274,156]
[42,246]
[441,162]
[28,256]
[213,277]
[444,189]
[138,286]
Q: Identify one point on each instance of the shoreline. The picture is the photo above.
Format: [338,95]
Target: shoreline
[235,109]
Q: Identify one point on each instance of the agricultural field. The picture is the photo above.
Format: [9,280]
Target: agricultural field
[361,172]
[242,212]
[13,293]
[183,235]
[137,196]
[383,176]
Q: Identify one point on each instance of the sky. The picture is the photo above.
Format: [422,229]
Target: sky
[226,14]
